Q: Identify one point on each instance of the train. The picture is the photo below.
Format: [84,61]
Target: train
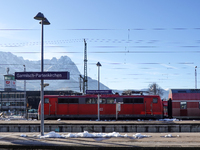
[181,104]
[185,103]
[106,106]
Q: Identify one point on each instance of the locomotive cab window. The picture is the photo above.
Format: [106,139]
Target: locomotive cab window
[155,100]
[183,105]
[46,100]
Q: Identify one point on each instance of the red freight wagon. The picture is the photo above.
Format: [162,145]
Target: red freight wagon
[86,107]
[185,103]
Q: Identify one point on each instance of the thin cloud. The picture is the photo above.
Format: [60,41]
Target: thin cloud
[168,66]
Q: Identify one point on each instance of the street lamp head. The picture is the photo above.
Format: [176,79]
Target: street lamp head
[46,84]
[39,16]
[98,64]
[45,22]
[195,66]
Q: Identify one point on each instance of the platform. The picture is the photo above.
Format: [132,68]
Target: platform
[100,126]
[157,141]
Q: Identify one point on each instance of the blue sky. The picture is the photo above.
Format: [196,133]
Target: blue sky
[138,42]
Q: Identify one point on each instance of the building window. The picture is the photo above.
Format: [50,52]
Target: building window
[12,95]
[22,95]
[18,95]
[9,78]
[5,95]
[183,105]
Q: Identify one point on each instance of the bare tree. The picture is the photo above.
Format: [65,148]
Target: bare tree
[155,89]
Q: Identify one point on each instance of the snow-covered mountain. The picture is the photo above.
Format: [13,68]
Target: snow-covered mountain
[15,64]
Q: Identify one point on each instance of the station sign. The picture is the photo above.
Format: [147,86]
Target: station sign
[42,75]
[10,84]
[98,91]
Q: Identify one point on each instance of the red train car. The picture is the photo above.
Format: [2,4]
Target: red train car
[86,107]
[185,103]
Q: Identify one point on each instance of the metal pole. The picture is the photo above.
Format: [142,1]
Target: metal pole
[98,90]
[98,64]
[98,108]
[42,82]
[195,78]
[25,113]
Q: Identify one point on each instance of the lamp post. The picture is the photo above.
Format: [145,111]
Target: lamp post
[98,65]
[25,114]
[43,21]
[195,77]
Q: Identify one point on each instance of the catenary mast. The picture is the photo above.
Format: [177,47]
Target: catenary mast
[85,68]
[85,83]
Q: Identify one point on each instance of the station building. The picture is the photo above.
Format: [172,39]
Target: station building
[11,100]
[15,102]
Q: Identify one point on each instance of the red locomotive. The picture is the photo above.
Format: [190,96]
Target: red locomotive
[86,107]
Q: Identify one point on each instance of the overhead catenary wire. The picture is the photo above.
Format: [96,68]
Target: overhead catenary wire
[142,46]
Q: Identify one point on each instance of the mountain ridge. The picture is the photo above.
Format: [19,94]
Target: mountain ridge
[64,63]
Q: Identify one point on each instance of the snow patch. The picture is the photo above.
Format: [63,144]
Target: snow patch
[86,134]
[139,136]
[168,119]
[23,135]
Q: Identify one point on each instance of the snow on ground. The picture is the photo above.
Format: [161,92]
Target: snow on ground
[139,136]
[169,119]
[86,134]
[170,136]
